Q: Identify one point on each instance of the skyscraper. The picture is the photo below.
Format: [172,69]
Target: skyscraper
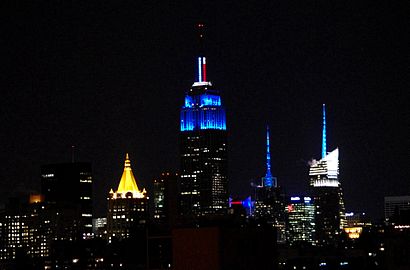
[165,195]
[301,220]
[269,200]
[67,191]
[203,147]
[396,208]
[127,207]
[327,192]
[24,226]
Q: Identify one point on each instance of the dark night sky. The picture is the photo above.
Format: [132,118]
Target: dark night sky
[109,77]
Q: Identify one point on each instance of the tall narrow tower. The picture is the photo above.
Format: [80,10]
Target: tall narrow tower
[268,180]
[327,192]
[203,142]
[268,198]
[324,152]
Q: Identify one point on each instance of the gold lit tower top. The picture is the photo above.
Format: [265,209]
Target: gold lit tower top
[128,185]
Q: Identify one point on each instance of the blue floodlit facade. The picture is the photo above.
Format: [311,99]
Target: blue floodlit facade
[204,180]
[203,109]
[203,148]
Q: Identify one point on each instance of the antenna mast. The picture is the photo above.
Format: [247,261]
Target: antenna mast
[201,57]
[324,151]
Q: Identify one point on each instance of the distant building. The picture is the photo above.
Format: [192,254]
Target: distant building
[357,219]
[67,191]
[165,197]
[24,228]
[301,220]
[203,148]
[269,200]
[127,207]
[100,227]
[327,192]
[397,209]
[15,229]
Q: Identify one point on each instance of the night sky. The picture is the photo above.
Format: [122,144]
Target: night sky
[109,77]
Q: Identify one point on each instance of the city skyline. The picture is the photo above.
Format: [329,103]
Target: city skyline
[109,83]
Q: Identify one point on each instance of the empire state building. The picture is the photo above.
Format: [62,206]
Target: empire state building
[203,147]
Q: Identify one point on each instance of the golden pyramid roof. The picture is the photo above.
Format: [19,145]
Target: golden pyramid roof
[128,183]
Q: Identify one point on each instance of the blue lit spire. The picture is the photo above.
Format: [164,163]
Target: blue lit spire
[268,179]
[324,152]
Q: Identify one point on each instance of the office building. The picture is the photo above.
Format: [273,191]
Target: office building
[67,192]
[100,227]
[127,206]
[165,197]
[327,193]
[25,228]
[301,220]
[15,229]
[397,209]
[203,148]
[269,200]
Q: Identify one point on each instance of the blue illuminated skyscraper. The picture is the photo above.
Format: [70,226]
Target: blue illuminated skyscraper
[269,199]
[203,142]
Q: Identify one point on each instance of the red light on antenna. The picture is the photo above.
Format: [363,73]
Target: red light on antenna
[204,68]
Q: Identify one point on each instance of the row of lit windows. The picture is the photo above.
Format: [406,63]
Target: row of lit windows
[86,180]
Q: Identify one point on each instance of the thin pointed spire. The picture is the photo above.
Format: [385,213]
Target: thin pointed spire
[324,151]
[201,57]
[127,182]
[268,179]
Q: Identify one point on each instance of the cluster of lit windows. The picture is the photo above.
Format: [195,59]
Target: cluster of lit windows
[301,220]
[87,180]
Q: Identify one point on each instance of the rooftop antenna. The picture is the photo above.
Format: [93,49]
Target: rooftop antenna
[201,58]
[324,151]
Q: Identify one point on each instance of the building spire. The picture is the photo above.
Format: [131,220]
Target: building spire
[201,58]
[324,151]
[127,182]
[268,179]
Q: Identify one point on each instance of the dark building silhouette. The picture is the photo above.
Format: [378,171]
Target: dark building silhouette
[397,209]
[165,193]
[203,148]
[67,191]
